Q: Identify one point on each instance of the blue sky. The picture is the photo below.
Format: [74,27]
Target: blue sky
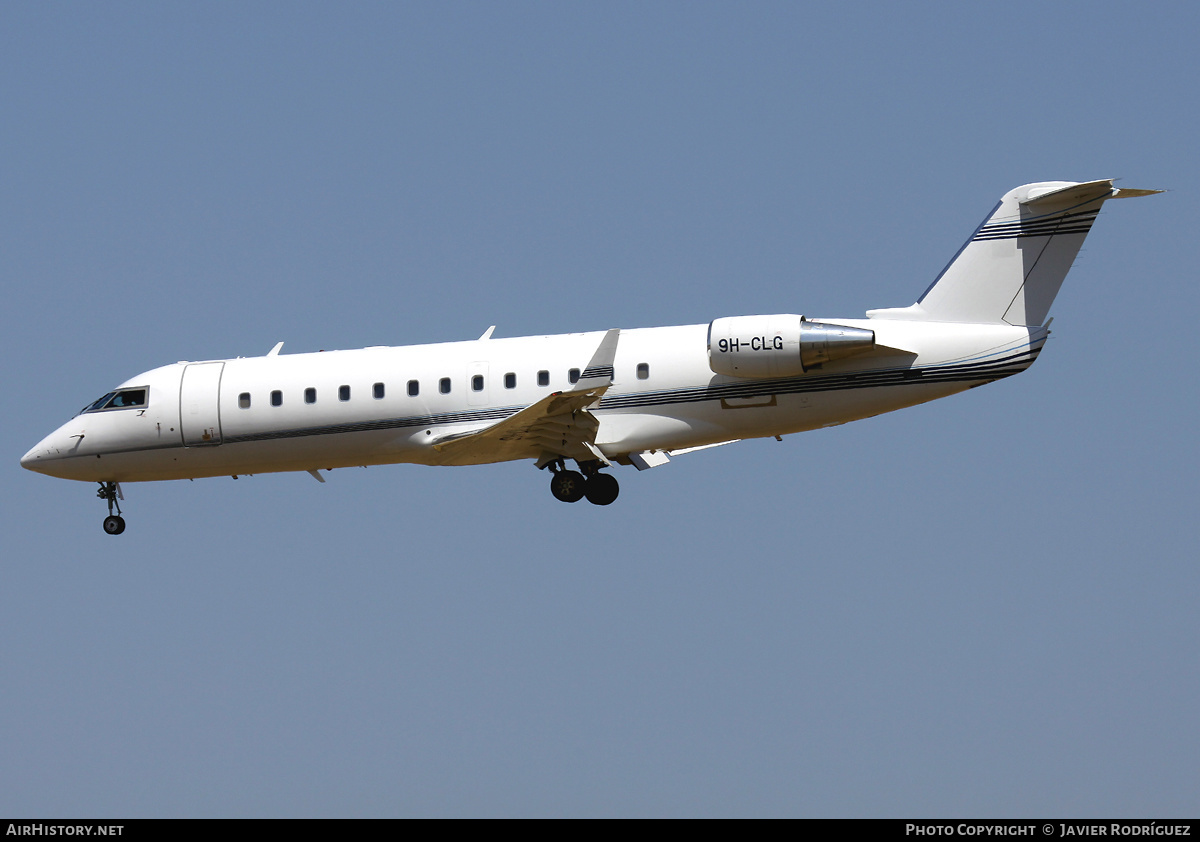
[980,606]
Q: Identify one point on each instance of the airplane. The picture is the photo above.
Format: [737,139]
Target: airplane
[617,397]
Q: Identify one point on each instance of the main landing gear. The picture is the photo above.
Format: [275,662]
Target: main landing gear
[113,524]
[572,486]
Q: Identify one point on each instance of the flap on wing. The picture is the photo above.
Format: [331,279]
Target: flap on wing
[684,450]
[648,459]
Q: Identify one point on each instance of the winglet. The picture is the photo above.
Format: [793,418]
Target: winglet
[274,352]
[599,371]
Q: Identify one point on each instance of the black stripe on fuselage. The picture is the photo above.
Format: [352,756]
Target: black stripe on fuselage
[986,371]
[991,370]
[381,424]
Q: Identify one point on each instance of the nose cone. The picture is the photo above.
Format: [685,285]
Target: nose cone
[51,455]
[38,458]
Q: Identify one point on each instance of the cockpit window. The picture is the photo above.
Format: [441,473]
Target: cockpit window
[92,407]
[122,399]
[127,398]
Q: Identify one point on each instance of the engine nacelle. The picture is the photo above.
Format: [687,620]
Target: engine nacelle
[780,346]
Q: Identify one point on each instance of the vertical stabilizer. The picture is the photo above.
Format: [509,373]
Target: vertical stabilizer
[1011,268]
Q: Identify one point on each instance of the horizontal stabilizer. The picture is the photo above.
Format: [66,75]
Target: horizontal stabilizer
[1073,194]
[1134,193]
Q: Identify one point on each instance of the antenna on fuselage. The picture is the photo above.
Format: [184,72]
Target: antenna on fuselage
[274,352]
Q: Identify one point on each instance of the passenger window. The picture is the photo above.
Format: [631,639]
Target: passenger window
[573,375]
[414,388]
[510,381]
[244,400]
[444,385]
[643,371]
[343,393]
[310,395]
[378,391]
[277,398]
[543,378]
[477,383]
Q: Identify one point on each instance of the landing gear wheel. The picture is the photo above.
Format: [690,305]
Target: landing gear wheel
[110,493]
[602,489]
[568,486]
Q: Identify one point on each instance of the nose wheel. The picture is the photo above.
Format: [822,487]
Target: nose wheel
[110,492]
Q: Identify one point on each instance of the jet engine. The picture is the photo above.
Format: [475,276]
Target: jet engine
[781,345]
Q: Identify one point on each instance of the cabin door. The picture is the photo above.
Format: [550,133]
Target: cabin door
[199,411]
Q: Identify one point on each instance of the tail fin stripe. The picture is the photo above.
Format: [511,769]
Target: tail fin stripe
[1044,225]
[1048,232]
[1046,218]
[1074,223]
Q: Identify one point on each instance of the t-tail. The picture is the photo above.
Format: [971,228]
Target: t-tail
[1011,268]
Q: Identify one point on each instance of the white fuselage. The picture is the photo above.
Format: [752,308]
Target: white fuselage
[348,408]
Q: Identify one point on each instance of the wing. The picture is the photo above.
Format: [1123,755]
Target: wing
[557,426]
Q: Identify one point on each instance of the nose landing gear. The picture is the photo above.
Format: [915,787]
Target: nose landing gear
[572,486]
[110,492]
